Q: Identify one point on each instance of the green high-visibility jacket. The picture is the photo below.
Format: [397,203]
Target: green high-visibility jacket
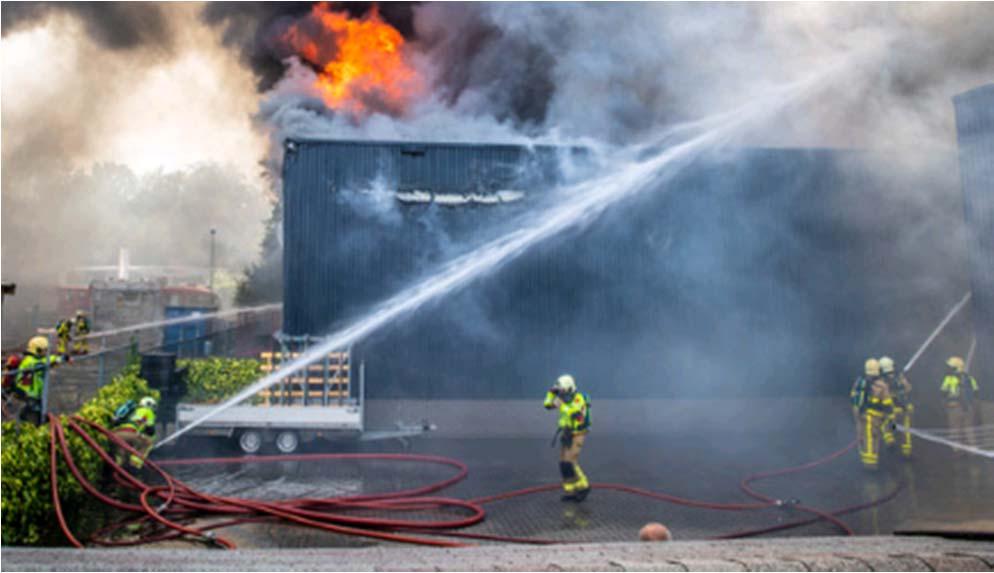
[31,374]
[952,387]
[574,415]
[142,420]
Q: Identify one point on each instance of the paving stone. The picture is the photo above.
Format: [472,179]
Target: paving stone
[955,563]
[712,565]
[834,563]
[753,564]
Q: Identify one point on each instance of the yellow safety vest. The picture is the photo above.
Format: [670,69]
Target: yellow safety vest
[573,415]
[141,418]
[951,387]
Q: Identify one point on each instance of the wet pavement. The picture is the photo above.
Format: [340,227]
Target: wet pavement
[937,486]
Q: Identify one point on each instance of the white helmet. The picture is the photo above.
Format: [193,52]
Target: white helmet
[148,402]
[566,384]
[886,364]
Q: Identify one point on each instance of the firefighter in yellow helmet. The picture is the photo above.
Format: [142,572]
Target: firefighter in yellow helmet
[31,373]
[137,429]
[574,423]
[63,331]
[960,390]
[81,344]
[872,404]
[900,390]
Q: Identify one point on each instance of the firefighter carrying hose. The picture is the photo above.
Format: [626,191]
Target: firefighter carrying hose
[574,423]
[136,427]
[30,382]
[960,389]
[872,404]
[80,344]
[900,390]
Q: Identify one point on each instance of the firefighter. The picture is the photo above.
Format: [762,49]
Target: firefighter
[63,330]
[80,344]
[30,381]
[138,431]
[574,423]
[960,389]
[900,390]
[872,404]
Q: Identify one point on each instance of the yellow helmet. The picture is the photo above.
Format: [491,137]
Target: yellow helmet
[872,367]
[565,383]
[956,363]
[886,364]
[38,345]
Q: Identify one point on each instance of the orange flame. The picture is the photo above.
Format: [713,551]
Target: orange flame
[362,63]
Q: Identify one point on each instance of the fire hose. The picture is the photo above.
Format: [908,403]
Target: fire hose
[180,506]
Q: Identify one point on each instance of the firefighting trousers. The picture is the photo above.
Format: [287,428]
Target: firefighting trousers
[64,343]
[81,345]
[870,430]
[960,418]
[136,440]
[574,479]
[900,415]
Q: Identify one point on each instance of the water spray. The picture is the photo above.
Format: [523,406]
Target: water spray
[938,329]
[186,319]
[583,202]
[970,353]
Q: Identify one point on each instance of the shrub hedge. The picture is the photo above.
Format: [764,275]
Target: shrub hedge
[211,380]
[28,513]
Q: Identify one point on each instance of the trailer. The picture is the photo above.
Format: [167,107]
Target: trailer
[318,402]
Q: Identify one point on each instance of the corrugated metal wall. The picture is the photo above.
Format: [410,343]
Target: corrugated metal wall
[755,272]
[975,128]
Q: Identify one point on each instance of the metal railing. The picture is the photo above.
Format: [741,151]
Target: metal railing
[236,332]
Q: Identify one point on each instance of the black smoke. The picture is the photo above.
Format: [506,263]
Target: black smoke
[112,25]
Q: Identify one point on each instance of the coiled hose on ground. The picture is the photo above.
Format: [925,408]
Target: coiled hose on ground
[173,507]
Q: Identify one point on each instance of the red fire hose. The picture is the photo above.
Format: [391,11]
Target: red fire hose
[174,509]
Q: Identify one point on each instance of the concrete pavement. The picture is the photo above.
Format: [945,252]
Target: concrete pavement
[880,553]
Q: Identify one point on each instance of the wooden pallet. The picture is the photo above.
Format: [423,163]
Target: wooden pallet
[315,383]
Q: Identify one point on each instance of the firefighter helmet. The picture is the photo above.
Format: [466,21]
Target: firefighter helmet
[872,367]
[886,364]
[80,312]
[148,402]
[38,345]
[566,384]
[956,363]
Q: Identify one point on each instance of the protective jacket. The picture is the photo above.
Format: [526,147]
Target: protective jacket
[64,328]
[141,421]
[870,395]
[900,388]
[574,414]
[31,374]
[959,387]
[82,325]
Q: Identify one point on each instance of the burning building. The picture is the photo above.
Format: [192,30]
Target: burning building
[748,269]
[975,126]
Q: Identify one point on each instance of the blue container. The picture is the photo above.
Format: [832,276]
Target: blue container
[189,339]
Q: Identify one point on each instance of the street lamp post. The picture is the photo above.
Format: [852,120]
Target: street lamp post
[210,284]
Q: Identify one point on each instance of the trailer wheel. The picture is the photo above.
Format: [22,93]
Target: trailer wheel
[250,441]
[287,441]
